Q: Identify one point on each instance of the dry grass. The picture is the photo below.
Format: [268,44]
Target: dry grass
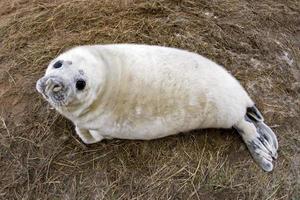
[40,156]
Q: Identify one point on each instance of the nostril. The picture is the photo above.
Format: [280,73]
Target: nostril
[49,82]
[56,88]
[52,84]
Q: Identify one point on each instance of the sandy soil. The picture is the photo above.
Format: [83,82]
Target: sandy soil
[40,156]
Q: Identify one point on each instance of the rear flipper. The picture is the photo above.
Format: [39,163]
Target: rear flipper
[259,138]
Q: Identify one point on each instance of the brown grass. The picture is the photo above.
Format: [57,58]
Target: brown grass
[40,156]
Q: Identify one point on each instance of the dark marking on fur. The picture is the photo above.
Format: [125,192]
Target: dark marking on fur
[68,62]
[81,72]
[254,114]
[248,119]
[261,133]
[253,145]
[268,165]
[240,131]
[262,140]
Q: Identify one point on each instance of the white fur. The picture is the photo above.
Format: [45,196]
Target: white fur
[146,92]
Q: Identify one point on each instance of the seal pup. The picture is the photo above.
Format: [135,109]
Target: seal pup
[144,92]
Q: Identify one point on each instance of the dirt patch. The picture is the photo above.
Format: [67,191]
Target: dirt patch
[40,156]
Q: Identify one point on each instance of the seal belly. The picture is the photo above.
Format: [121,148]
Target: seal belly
[152,107]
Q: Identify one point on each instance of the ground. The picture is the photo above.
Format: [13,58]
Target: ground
[40,156]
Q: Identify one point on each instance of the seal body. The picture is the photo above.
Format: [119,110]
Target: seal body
[142,92]
[151,92]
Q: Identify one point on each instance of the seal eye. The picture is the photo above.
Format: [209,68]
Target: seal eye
[58,64]
[80,84]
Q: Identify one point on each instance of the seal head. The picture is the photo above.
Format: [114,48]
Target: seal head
[61,85]
[71,80]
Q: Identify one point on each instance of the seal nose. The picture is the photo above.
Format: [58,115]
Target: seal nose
[49,84]
[52,84]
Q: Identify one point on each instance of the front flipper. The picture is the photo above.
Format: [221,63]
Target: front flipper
[259,138]
[87,136]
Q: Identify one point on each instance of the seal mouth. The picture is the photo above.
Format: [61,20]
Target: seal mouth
[57,98]
[54,90]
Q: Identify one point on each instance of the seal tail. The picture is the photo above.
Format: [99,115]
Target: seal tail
[259,138]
